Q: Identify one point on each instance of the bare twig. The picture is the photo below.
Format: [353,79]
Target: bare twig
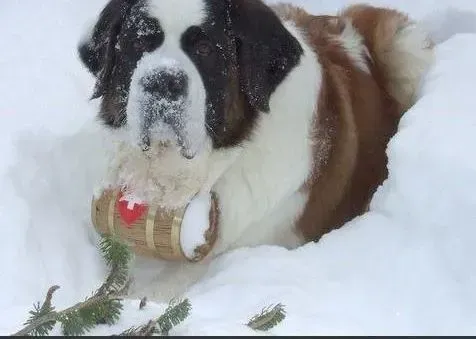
[143,303]
[49,296]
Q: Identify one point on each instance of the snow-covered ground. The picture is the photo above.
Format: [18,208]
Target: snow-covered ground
[407,267]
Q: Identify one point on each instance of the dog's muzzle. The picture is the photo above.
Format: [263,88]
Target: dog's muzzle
[164,104]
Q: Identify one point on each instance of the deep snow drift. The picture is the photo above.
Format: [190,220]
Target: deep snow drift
[407,267]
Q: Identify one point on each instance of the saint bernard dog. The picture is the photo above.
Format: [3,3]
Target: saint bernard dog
[283,115]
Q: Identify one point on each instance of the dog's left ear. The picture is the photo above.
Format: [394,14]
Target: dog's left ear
[266,51]
[97,49]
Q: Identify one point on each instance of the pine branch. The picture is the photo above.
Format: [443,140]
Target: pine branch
[173,315]
[53,316]
[103,307]
[268,318]
[82,317]
[142,331]
[117,257]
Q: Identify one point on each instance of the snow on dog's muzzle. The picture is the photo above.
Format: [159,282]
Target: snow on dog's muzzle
[163,102]
[166,105]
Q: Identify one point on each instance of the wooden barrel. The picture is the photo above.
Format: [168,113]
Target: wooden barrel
[149,230]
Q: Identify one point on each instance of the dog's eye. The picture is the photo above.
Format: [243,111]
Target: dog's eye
[204,48]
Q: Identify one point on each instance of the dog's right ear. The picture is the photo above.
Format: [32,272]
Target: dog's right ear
[97,49]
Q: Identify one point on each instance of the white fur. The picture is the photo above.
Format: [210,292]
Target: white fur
[257,184]
[162,176]
[254,208]
[267,174]
[166,179]
[195,223]
[353,44]
[176,16]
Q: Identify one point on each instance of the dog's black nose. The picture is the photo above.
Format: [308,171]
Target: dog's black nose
[170,85]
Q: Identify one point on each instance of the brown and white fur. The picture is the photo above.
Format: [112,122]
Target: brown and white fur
[299,160]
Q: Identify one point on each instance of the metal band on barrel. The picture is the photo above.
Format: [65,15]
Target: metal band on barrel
[175,233]
[110,212]
[149,228]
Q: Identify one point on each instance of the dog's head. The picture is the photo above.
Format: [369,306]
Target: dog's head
[187,71]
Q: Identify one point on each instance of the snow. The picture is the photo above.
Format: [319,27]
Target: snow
[132,201]
[195,224]
[405,268]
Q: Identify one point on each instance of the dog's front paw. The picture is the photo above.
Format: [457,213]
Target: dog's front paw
[199,226]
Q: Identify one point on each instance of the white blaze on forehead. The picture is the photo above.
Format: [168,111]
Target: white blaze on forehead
[176,16]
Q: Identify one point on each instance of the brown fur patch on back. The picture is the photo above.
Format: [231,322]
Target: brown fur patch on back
[355,120]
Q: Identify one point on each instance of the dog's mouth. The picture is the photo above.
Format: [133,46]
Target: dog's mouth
[147,142]
[156,121]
